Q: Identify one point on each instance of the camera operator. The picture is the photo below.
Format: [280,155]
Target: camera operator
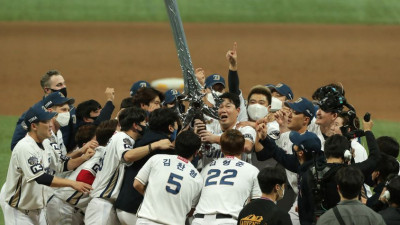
[391,215]
[306,149]
[336,153]
[348,125]
[350,210]
[387,167]
[330,102]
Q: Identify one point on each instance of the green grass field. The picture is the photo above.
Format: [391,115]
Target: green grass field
[282,11]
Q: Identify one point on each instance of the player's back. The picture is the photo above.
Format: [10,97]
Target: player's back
[174,187]
[108,181]
[93,165]
[228,183]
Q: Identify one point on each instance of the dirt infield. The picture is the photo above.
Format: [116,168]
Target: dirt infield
[93,56]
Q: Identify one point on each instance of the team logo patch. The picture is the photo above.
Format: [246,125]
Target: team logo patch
[33,160]
[36,168]
[251,220]
[299,100]
[217,77]
[127,143]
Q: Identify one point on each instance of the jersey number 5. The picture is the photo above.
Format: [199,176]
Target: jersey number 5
[215,173]
[176,183]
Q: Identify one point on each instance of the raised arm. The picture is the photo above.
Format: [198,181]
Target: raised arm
[233,77]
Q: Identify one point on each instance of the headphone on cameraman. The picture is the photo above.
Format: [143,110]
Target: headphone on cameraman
[386,194]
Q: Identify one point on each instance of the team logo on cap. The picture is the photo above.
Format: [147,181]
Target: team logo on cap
[174,92]
[279,85]
[143,84]
[217,77]
[32,119]
[48,104]
[299,100]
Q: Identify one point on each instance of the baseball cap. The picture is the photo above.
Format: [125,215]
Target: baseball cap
[56,98]
[214,79]
[282,89]
[302,105]
[170,96]
[36,114]
[308,141]
[137,85]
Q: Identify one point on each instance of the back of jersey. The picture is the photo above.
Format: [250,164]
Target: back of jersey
[174,187]
[109,179]
[228,184]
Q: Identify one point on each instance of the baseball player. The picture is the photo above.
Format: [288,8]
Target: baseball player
[66,206]
[228,184]
[57,102]
[26,177]
[170,183]
[119,152]
[228,112]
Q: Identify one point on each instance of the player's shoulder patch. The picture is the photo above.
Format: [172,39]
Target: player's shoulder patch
[33,160]
[127,143]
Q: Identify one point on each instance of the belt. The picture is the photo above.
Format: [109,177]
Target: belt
[218,216]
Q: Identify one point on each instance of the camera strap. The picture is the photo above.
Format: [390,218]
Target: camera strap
[338,216]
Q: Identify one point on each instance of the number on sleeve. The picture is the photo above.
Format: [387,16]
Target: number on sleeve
[174,182]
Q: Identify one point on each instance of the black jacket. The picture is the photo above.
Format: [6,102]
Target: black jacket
[391,216]
[290,162]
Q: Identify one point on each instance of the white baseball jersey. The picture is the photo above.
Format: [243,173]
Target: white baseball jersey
[57,153]
[26,164]
[73,197]
[173,188]
[243,109]
[215,149]
[228,183]
[360,154]
[109,180]
[315,128]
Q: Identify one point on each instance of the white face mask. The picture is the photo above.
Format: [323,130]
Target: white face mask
[210,97]
[276,104]
[63,118]
[257,111]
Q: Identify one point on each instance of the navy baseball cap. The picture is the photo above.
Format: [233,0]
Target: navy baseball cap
[308,141]
[214,79]
[170,96]
[282,89]
[36,114]
[56,98]
[302,105]
[137,85]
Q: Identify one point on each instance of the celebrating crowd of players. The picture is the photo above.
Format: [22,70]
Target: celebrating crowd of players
[78,166]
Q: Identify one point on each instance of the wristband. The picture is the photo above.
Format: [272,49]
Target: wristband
[150,149]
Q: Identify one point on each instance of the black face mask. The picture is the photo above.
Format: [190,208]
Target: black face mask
[62,90]
[144,129]
[93,117]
